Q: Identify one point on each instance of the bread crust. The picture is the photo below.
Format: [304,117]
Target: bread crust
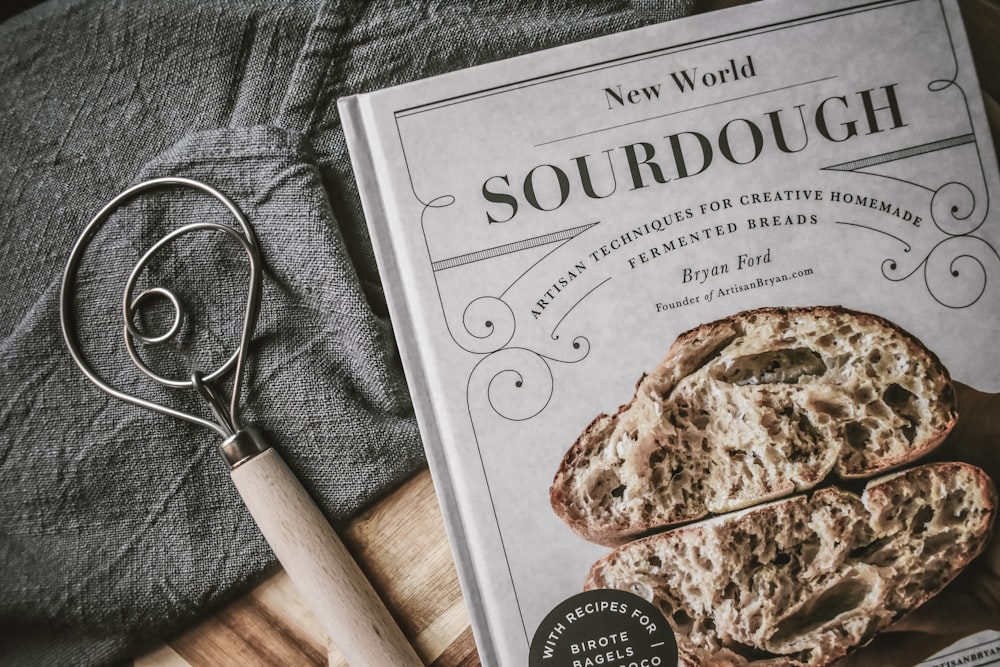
[702,345]
[805,580]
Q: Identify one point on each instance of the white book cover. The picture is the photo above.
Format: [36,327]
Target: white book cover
[547,226]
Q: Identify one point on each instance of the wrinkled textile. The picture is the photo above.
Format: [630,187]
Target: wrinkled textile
[118,525]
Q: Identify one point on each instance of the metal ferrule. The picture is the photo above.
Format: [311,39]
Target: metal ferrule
[242,446]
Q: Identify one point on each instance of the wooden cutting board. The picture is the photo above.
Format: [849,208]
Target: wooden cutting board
[400,543]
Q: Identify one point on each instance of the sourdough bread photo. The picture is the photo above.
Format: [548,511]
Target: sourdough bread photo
[804,580]
[752,408]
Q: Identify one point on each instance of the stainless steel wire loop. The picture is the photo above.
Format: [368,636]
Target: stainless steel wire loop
[226,421]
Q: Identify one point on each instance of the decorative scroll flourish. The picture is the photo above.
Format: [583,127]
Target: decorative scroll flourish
[490,321]
[956,270]
[487,322]
[906,246]
[519,383]
[954,210]
[554,335]
[522,386]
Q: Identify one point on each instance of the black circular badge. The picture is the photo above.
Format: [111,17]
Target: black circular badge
[604,628]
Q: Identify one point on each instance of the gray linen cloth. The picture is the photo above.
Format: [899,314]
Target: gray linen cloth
[117,525]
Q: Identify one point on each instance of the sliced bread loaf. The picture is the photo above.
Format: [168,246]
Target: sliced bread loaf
[802,581]
[751,408]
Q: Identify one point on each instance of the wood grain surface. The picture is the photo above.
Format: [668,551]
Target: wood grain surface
[401,545]
[325,574]
[400,542]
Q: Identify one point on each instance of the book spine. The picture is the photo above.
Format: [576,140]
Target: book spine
[361,136]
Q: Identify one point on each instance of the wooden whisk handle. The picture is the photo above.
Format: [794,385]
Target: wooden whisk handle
[322,569]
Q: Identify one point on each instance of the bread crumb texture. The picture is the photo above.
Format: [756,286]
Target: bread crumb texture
[752,408]
[802,581]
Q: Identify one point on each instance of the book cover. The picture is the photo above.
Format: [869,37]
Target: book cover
[771,232]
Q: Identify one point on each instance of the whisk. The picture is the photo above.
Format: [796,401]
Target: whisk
[322,569]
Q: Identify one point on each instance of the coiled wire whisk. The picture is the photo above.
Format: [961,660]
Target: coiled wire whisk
[324,572]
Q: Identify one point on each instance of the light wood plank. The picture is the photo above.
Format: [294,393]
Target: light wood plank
[401,545]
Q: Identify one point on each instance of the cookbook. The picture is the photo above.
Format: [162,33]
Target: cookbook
[699,321]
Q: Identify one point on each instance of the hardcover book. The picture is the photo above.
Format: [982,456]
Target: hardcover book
[699,323]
